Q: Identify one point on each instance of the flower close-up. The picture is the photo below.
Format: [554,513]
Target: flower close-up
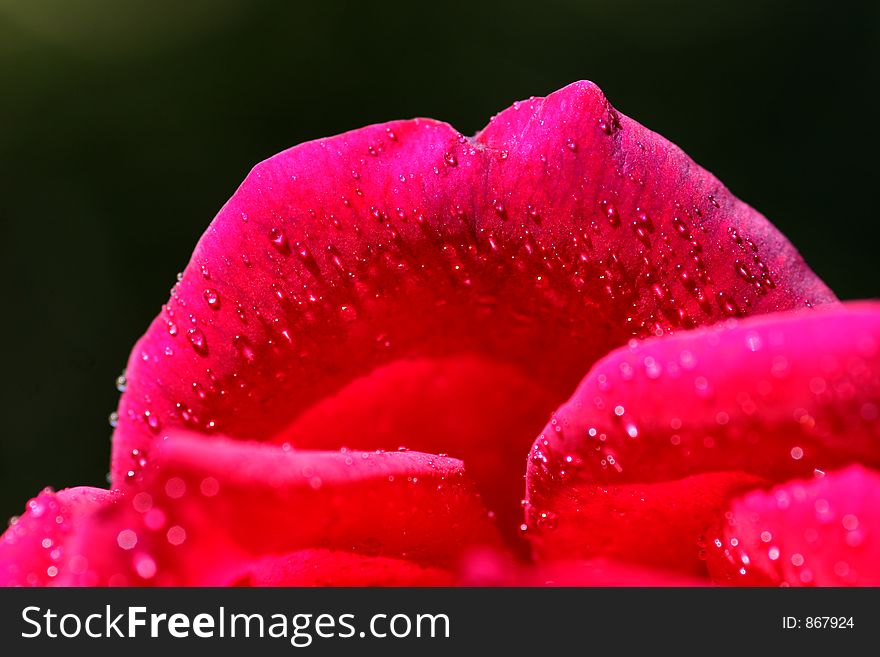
[558,352]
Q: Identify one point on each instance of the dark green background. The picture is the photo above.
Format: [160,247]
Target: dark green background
[123,130]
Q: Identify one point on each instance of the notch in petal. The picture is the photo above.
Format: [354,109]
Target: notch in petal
[558,233]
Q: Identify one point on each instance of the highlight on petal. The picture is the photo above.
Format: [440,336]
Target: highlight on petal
[34,550]
[210,508]
[556,234]
[659,437]
[806,533]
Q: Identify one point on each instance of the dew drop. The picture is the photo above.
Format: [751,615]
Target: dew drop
[302,250]
[152,421]
[198,341]
[644,220]
[743,271]
[681,227]
[348,313]
[610,211]
[534,214]
[547,521]
[727,305]
[212,298]
[279,240]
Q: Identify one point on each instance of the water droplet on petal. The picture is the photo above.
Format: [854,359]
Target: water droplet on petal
[279,240]
[681,227]
[610,211]
[198,341]
[212,298]
[348,312]
[743,271]
[152,421]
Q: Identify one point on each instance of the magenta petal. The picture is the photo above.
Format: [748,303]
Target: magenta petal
[34,550]
[559,232]
[454,405]
[486,567]
[807,533]
[317,567]
[209,508]
[660,436]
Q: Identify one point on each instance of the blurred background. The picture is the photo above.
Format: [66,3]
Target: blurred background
[124,126]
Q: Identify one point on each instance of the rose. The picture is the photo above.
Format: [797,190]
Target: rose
[402,285]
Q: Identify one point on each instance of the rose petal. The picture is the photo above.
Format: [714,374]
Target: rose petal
[559,232]
[660,436]
[822,532]
[34,550]
[337,568]
[442,405]
[600,572]
[489,568]
[210,507]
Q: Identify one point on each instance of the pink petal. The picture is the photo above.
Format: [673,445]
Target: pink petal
[344,267]
[448,405]
[658,438]
[209,508]
[824,532]
[336,568]
[34,550]
[489,568]
[559,232]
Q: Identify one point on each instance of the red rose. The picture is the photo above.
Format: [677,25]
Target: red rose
[345,383]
